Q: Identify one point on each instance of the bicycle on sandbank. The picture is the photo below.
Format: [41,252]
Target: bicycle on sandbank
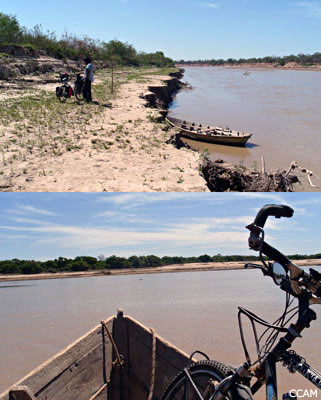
[65,91]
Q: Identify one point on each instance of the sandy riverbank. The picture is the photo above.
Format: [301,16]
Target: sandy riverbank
[193,267]
[114,144]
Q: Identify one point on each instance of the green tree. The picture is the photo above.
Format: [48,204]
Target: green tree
[205,258]
[10,31]
[78,265]
[31,267]
[135,262]
[119,53]
[114,262]
[153,261]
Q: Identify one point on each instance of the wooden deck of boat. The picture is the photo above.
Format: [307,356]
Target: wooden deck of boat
[85,371]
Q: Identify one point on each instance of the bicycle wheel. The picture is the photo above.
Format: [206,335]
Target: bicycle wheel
[63,93]
[79,93]
[206,376]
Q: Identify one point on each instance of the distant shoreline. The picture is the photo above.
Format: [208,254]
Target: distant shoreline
[193,267]
[255,67]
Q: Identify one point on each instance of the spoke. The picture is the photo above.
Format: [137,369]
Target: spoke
[193,384]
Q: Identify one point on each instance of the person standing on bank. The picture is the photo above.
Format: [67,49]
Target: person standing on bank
[88,79]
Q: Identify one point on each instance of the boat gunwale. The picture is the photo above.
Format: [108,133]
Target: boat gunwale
[55,357]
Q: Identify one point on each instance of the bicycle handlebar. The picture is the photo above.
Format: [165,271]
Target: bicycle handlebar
[274,210]
[256,242]
[275,255]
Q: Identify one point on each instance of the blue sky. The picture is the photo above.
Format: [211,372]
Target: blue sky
[44,226]
[184,29]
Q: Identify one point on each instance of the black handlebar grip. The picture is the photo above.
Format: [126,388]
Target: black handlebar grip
[272,210]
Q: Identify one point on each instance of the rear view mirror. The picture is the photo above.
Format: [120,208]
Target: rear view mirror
[279,273]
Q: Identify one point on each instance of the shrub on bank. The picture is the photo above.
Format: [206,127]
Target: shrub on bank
[86,263]
[70,46]
[304,60]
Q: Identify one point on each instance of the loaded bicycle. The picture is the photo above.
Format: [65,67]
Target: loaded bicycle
[213,380]
[65,91]
[78,87]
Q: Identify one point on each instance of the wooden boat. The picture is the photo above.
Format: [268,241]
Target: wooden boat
[91,368]
[214,134]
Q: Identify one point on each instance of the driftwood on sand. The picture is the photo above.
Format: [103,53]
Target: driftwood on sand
[222,177]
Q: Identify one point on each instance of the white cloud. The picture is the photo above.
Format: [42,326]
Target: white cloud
[35,210]
[210,5]
[218,222]
[122,216]
[312,8]
[267,196]
[132,200]
[202,233]
[13,237]
[198,233]
[308,201]
[22,220]
[108,214]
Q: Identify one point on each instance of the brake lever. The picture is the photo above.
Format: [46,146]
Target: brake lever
[265,271]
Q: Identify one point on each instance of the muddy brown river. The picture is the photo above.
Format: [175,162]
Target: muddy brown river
[193,310]
[281,108]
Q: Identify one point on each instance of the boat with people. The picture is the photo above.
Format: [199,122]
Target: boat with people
[210,134]
[118,359]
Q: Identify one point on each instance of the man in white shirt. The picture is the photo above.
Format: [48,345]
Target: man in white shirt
[88,79]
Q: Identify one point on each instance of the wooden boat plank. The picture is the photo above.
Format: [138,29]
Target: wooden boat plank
[81,380]
[165,350]
[120,379]
[169,359]
[49,371]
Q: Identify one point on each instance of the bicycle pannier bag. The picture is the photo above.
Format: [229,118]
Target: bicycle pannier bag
[70,91]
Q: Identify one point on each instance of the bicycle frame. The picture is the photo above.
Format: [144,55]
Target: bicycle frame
[271,380]
[295,282]
[296,363]
[267,370]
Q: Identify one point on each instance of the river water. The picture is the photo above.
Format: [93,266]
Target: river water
[193,310]
[281,108]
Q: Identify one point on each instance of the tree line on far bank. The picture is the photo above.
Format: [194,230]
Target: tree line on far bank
[87,263]
[73,47]
[305,60]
